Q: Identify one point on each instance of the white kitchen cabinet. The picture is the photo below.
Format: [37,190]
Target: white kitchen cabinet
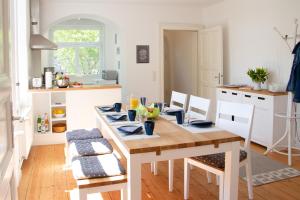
[267,128]
[78,104]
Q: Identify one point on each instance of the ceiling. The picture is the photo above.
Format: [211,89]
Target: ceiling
[166,2]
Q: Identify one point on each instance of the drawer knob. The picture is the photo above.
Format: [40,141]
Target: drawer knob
[248,96]
[261,98]
[224,92]
[234,93]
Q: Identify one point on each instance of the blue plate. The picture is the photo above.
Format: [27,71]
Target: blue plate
[201,123]
[106,108]
[130,129]
[117,117]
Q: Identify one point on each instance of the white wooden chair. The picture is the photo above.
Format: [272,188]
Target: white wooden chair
[236,118]
[178,100]
[198,109]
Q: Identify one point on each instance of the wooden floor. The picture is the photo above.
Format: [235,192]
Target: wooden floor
[44,177]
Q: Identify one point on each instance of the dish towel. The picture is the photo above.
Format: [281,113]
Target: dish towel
[294,82]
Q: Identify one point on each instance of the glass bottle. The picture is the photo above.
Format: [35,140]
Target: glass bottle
[46,120]
[39,124]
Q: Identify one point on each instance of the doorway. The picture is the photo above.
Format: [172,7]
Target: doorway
[180,62]
[191,61]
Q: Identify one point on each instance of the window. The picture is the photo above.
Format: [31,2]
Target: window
[80,47]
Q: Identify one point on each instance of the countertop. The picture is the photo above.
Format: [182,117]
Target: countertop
[260,92]
[83,87]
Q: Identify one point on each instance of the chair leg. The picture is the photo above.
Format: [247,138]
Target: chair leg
[152,166]
[208,175]
[171,174]
[155,168]
[124,193]
[249,179]
[221,186]
[186,178]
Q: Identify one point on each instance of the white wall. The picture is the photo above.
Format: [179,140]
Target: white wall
[180,62]
[138,24]
[250,40]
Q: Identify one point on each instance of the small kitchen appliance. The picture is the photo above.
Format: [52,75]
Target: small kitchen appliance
[37,82]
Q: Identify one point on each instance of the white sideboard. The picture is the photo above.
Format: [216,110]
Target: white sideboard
[267,128]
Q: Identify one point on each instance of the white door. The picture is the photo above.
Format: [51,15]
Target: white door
[6,135]
[210,65]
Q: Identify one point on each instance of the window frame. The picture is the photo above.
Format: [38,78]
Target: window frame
[76,45]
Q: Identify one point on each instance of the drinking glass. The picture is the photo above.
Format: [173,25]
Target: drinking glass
[134,102]
[188,118]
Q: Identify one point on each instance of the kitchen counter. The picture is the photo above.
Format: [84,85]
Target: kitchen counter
[83,87]
[78,104]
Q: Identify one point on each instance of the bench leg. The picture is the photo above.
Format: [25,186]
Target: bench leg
[81,194]
[124,193]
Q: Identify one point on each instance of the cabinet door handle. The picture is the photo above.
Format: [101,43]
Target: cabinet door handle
[261,98]
[234,93]
[248,96]
[224,92]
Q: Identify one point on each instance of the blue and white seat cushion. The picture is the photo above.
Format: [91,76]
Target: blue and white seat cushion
[89,147]
[83,134]
[100,166]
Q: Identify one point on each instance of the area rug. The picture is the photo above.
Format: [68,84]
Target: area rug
[266,170]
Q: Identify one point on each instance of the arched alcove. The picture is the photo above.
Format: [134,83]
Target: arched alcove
[87,45]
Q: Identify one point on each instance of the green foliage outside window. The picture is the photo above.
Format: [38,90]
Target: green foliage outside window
[76,35]
[80,51]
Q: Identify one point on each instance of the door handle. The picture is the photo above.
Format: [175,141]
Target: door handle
[218,77]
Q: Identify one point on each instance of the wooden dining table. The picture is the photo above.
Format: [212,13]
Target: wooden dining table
[174,142]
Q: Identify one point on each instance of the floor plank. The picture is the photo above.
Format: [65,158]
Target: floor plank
[44,177]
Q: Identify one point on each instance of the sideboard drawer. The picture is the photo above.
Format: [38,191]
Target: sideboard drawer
[264,102]
[229,95]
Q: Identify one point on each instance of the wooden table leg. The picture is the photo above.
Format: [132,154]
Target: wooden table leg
[231,176]
[134,185]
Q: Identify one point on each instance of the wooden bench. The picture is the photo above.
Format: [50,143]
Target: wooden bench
[85,186]
[97,185]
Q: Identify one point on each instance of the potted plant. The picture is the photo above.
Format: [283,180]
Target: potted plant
[258,76]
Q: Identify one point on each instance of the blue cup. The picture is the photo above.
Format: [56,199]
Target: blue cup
[149,127]
[180,116]
[131,115]
[117,107]
[159,106]
[143,100]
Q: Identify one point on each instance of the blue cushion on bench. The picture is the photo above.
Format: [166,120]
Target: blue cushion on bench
[89,147]
[83,134]
[100,166]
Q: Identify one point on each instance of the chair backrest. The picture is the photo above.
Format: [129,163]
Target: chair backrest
[236,118]
[198,107]
[178,100]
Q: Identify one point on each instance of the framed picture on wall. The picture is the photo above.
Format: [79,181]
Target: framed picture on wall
[142,54]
